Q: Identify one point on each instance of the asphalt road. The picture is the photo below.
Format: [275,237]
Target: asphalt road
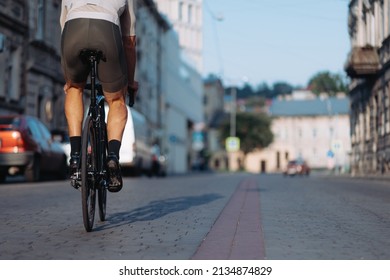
[149,219]
[324,218]
[309,218]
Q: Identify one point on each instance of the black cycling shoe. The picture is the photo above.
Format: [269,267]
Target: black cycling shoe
[74,163]
[115,182]
[74,166]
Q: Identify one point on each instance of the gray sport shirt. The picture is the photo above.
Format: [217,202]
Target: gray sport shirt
[120,12]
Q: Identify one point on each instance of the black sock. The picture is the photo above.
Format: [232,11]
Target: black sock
[114,147]
[75,144]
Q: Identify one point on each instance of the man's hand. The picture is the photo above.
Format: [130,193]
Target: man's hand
[132,91]
[134,86]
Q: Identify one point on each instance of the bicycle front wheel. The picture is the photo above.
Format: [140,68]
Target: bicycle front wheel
[88,171]
[102,198]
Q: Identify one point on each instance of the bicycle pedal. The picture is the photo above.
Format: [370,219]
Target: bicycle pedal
[75,181]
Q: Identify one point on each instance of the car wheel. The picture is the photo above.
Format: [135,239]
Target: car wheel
[3,175]
[63,171]
[155,169]
[33,170]
[138,169]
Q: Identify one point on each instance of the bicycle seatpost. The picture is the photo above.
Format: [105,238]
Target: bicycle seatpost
[93,64]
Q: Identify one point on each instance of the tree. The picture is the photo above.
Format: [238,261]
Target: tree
[281,88]
[263,90]
[254,131]
[326,82]
[278,88]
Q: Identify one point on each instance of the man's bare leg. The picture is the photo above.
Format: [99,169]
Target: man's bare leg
[74,112]
[116,122]
[74,108]
[117,115]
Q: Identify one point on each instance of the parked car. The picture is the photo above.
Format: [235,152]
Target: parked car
[159,162]
[62,137]
[135,154]
[297,167]
[27,148]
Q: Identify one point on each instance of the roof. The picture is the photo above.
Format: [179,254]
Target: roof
[310,107]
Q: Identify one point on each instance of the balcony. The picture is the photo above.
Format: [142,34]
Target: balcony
[362,62]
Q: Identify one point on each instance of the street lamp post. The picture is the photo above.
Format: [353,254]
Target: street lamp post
[233,112]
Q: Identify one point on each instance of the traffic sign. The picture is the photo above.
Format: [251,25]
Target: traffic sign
[232,144]
[330,154]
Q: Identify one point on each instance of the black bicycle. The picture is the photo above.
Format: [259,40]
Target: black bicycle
[92,176]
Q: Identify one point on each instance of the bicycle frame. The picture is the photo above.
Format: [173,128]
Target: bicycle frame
[94,146]
[96,110]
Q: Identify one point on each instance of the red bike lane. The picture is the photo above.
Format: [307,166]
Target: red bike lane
[237,233]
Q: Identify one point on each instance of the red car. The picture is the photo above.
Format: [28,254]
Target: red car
[297,167]
[27,148]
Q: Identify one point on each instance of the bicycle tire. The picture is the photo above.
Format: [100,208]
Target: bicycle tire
[102,192]
[88,167]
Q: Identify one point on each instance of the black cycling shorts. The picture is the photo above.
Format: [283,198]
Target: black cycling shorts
[95,34]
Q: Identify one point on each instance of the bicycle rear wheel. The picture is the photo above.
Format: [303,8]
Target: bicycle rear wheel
[88,168]
[102,192]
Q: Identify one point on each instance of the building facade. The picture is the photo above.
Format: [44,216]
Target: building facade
[182,95]
[187,20]
[182,84]
[13,54]
[314,129]
[30,75]
[150,28]
[214,116]
[368,67]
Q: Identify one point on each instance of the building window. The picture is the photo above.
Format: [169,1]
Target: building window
[331,131]
[373,30]
[2,42]
[378,15]
[369,121]
[181,6]
[15,73]
[4,72]
[10,73]
[387,110]
[189,19]
[17,11]
[39,35]
[387,18]
[381,125]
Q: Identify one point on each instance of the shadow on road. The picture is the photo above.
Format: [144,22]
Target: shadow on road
[157,209]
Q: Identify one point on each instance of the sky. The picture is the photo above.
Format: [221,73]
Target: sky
[268,41]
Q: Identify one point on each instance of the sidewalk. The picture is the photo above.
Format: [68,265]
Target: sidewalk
[378,177]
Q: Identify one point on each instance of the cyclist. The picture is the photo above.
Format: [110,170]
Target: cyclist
[108,26]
